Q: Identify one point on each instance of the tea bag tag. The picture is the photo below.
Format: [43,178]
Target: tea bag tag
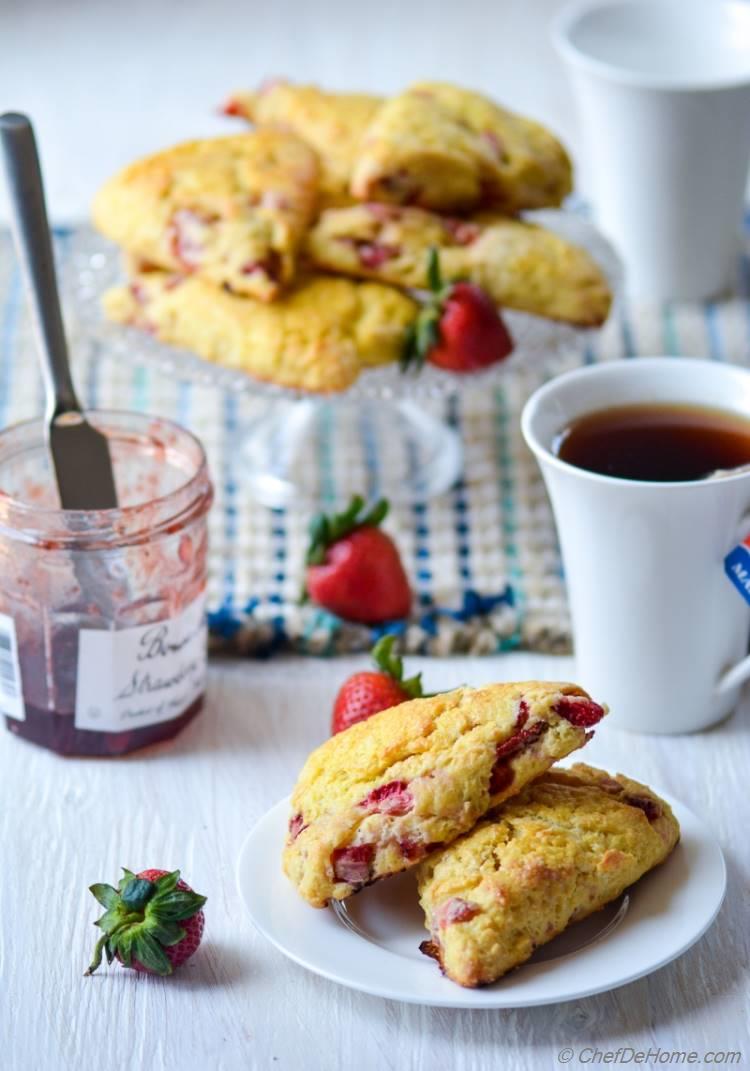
[737,568]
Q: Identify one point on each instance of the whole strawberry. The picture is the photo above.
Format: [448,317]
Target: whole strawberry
[153,922]
[458,329]
[354,568]
[366,693]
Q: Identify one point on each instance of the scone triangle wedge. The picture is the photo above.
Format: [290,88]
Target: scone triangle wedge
[567,845]
[520,265]
[379,797]
[231,210]
[318,337]
[439,146]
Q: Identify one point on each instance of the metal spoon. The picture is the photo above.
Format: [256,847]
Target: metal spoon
[80,453]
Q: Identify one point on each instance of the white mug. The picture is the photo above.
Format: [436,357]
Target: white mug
[660,633]
[663,93]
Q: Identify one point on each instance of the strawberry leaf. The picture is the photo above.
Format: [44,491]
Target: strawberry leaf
[137,893]
[167,882]
[413,686]
[175,905]
[149,952]
[105,894]
[165,932]
[111,919]
[327,529]
[384,658]
[428,332]
[127,875]
[376,516]
[424,334]
[121,944]
[434,275]
[319,538]
[390,663]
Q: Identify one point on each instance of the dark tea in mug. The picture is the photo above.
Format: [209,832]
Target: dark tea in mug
[656,442]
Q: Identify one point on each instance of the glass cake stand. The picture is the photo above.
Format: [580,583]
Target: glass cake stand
[386,435]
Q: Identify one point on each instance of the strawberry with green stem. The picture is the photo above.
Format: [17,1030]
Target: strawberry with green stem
[354,568]
[152,922]
[459,328]
[370,691]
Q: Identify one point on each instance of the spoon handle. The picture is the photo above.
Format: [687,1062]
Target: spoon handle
[32,239]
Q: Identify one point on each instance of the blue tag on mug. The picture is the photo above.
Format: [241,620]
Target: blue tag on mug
[737,568]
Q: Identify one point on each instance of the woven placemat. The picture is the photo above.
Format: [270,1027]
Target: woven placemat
[483,558]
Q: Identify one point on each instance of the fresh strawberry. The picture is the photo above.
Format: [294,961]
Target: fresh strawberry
[459,328]
[354,569]
[368,692]
[153,922]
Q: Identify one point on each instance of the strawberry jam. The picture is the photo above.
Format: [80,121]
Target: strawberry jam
[57,731]
[102,623]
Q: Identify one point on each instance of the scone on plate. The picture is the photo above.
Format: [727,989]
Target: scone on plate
[567,845]
[446,148]
[332,123]
[520,265]
[232,210]
[317,337]
[378,797]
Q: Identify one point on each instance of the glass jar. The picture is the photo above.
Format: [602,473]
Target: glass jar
[102,617]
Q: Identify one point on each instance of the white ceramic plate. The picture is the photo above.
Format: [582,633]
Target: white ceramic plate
[371,943]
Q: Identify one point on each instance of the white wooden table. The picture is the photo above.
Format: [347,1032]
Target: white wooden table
[239,1004]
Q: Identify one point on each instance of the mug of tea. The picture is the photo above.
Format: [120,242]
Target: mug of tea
[643,461]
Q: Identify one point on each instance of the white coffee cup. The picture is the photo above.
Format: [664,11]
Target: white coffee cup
[660,633]
[663,92]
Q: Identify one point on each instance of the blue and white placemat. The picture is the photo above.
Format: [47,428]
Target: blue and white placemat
[483,558]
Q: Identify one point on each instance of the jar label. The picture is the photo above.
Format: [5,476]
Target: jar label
[141,676]
[11,697]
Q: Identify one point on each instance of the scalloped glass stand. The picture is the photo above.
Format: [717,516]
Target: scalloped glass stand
[312,447]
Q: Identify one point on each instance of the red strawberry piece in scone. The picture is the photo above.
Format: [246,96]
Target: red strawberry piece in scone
[461,231]
[352,864]
[374,254]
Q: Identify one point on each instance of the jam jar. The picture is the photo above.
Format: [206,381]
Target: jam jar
[102,613]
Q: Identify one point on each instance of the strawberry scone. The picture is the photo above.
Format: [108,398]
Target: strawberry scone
[567,845]
[520,265]
[232,210]
[442,147]
[317,337]
[332,123]
[378,797]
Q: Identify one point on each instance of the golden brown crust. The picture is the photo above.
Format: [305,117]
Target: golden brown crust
[450,149]
[520,265]
[232,210]
[373,799]
[568,844]
[318,337]
[332,123]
